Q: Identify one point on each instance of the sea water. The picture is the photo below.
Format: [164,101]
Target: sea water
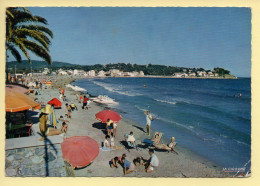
[206,116]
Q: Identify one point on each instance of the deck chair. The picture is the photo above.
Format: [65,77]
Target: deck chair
[150,142]
[165,147]
[127,144]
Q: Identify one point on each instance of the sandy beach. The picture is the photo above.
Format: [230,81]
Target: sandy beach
[84,123]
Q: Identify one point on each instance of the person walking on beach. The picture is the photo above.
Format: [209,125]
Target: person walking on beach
[69,110]
[85,102]
[149,119]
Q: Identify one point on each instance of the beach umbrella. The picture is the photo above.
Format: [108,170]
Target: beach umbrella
[108,114]
[79,151]
[15,102]
[16,88]
[55,102]
[52,118]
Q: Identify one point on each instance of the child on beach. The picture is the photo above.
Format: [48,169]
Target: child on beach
[120,158]
[114,162]
[62,119]
[85,102]
[114,129]
[80,98]
[112,142]
[128,166]
[107,146]
[69,110]
[64,127]
[73,107]
[139,161]
[109,126]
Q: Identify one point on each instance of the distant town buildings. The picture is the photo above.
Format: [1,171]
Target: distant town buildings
[186,73]
[190,74]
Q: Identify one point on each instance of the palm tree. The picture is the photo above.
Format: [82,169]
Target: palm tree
[25,32]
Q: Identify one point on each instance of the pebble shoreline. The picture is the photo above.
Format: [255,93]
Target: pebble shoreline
[31,162]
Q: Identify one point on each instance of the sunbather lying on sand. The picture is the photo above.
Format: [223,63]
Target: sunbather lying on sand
[49,131]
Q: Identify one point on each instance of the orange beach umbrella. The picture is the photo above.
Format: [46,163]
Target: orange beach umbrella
[79,151]
[16,88]
[15,102]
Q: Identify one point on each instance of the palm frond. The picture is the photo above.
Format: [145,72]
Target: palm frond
[9,13]
[40,20]
[14,52]
[19,30]
[38,28]
[37,35]
[20,43]
[38,50]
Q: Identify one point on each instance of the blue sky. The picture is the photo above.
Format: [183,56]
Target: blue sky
[186,37]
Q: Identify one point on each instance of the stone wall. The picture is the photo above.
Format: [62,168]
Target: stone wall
[33,162]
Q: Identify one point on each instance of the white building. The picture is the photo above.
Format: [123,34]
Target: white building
[114,72]
[92,73]
[62,73]
[202,74]
[46,71]
[180,75]
[75,72]
[193,74]
[69,72]
[81,72]
[101,73]
[134,74]
[141,73]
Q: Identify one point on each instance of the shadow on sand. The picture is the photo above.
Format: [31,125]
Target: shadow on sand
[101,126]
[140,128]
[47,142]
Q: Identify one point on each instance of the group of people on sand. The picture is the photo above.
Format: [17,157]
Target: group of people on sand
[111,127]
[48,130]
[149,164]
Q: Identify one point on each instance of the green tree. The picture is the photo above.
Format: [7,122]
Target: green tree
[26,32]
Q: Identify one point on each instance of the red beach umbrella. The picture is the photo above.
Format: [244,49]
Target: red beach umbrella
[55,102]
[79,151]
[108,114]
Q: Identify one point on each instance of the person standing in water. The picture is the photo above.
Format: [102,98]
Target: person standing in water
[148,121]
